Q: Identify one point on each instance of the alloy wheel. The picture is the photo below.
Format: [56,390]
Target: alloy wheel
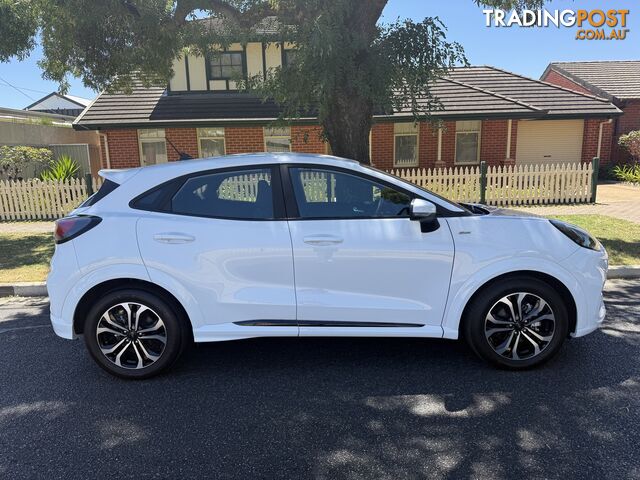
[131,335]
[519,326]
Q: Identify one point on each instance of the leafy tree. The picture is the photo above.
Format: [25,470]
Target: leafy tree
[348,65]
[14,159]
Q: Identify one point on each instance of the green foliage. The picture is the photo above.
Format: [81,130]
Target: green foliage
[18,27]
[62,169]
[13,160]
[347,66]
[627,173]
[631,142]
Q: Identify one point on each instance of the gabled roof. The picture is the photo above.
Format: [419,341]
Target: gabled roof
[615,79]
[77,101]
[465,93]
[556,101]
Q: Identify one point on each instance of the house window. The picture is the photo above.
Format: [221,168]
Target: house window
[468,142]
[277,139]
[289,57]
[211,142]
[405,145]
[226,66]
[153,148]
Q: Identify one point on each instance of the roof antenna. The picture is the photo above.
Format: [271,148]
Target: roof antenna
[181,155]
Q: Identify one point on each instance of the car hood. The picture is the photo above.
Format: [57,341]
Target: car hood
[481,209]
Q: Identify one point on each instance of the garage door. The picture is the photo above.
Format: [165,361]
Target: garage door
[549,141]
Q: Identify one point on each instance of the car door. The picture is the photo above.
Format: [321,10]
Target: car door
[222,236]
[359,260]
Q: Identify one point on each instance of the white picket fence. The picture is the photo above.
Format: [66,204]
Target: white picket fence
[503,185]
[508,185]
[35,199]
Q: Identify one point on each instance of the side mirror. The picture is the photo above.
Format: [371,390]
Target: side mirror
[422,210]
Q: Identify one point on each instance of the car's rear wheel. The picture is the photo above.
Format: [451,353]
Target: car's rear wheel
[133,334]
[516,323]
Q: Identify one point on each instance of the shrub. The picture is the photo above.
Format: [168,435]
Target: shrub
[13,160]
[631,142]
[62,169]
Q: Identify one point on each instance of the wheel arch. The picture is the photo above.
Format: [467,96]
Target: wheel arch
[84,304]
[557,284]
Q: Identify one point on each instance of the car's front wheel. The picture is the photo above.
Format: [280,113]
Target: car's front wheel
[133,334]
[516,322]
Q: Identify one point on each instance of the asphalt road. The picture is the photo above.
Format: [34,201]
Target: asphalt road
[322,408]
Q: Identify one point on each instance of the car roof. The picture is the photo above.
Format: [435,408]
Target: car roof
[172,169]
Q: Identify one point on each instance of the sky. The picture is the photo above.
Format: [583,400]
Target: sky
[522,50]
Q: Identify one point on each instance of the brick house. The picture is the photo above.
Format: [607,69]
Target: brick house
[617,81]
[488,115]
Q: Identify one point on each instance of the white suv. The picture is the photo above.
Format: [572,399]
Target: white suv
[309,245]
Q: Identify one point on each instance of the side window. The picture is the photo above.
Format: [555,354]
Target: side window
[239,195]
[332,194]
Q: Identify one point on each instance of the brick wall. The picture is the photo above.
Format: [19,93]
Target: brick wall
[123,148]
[590,140]
[628,122]
[382,145]
[184,139]
[562,81]
[307,139]
[493,143]
[244,139]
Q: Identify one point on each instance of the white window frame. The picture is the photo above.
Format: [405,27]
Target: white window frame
[151,135]
[468,126]
[406,130]
[267,133]
[202,134]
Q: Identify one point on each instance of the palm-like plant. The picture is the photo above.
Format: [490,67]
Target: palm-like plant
[63,168]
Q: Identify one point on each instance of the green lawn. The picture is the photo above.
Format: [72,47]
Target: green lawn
[24,257]
[621,238]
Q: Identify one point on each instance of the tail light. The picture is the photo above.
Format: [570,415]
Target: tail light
[69,228]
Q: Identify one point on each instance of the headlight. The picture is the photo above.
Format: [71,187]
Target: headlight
[578,235]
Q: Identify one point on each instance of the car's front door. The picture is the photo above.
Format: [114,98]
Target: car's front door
[222,236]
[359,260]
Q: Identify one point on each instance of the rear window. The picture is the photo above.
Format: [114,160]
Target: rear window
[107,187]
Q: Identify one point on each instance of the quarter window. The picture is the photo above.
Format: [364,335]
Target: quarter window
[277,139]
[153,147]
[243,194]
[211,142]
[468,142]
[331,194]
[405,145]
[226,65]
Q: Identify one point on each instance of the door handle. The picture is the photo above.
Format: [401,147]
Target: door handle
[322,240]
[173,238]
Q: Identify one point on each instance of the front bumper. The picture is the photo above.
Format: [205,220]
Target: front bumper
[589,267]
[61,328]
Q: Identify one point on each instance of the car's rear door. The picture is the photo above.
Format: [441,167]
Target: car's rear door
[360,261]
[222,236]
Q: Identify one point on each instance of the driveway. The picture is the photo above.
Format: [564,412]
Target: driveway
[322,408]
[614,199]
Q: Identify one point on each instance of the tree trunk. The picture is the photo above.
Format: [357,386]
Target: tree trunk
[347,127]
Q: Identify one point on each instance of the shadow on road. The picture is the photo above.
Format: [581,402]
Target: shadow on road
[327,408]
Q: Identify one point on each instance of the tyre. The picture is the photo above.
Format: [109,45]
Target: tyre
[134,334]
[516,323]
